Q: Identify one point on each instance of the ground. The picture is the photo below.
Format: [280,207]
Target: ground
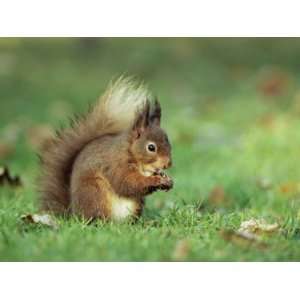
[232,111]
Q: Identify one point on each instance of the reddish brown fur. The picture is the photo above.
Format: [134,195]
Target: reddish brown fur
[99,161]
[92,187]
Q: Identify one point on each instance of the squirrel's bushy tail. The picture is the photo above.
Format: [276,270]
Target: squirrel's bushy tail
[113,113]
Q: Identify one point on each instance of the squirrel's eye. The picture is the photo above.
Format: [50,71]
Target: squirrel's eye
[151,147]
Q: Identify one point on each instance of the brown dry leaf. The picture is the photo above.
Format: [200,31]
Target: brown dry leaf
[6,150]
[39,136]
[40,219]
[257,227]
[290,188]
[217,195]
[243,239]
[7,179]
[274,83]
[181,250]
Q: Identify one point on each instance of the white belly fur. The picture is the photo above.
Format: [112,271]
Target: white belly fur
[122,208]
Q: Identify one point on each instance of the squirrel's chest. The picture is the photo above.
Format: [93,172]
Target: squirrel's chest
[122,208]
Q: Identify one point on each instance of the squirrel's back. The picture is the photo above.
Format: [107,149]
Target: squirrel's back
[112,114]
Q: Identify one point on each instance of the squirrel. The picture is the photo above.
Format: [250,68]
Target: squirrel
[105,164]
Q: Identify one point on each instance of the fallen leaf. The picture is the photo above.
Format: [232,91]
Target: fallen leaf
[257,227]
[6,178]
[40,219]
[274,83]
[243,239]
[181,250]
[291,188]
[39,136]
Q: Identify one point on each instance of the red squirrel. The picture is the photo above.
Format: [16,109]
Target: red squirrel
[105,164]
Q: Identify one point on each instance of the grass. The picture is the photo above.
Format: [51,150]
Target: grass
[231,107]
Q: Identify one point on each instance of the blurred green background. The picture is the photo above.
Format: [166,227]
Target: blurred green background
[44,79]
[230,105]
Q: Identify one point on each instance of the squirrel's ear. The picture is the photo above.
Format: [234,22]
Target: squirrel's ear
[142,120]
[155,115]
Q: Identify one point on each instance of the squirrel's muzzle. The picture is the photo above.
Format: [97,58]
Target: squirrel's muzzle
[166,163]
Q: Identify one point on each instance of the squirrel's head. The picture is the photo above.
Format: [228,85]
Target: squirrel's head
[149,145]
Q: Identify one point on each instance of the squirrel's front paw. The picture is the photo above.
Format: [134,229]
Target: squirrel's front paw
[166,182]
[160,182]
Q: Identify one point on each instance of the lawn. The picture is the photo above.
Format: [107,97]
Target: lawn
[232,111]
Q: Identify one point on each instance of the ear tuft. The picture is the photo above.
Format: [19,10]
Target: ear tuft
[142,120]
[155,115]
[147,113]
